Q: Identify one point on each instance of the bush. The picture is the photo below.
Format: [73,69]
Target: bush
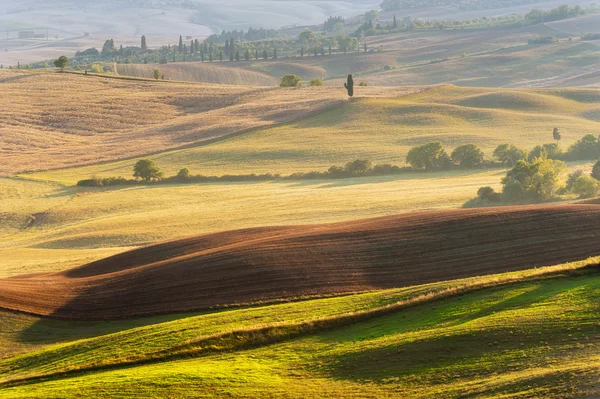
[538,180]
[363,84]
[543,40]
[316,82]
[571,179]
[290,81]
[586,187]
[467,156]
[596,171]
[488,194]
[430,156]
[588,147]
[183,174]
[359,166]
[508,154]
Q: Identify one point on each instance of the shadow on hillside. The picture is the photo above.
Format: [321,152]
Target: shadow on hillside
[51,331]
[352,181]
[463,347]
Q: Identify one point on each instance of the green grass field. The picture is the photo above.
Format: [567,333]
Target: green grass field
[525,334]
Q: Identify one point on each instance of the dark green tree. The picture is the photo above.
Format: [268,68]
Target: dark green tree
[556,135]
[265,55]
[61,62]
[596,171]
[180,44]
[144,45]
[430,156]
[467,156]
[247,55]
[146,170]
[349,85]
[290,80]
[275,53]
[237,55]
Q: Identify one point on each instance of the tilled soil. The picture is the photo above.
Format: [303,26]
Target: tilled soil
[275,263]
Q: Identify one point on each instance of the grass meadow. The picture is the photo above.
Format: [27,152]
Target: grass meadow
[513,335]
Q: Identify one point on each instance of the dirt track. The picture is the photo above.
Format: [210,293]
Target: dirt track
[272,263]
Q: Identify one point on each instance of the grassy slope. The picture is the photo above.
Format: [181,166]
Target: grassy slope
[382,130]
[537,338]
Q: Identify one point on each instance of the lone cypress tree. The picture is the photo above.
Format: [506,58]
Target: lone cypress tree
[330,49]
[556,135]
[302,51]
[227,47]
[349,85]
[221,55]
[265,55]
[395,24]
[275,53]
[180,44]
[237,55]
[231,55]
[247,55]
[256,53]
[144,45]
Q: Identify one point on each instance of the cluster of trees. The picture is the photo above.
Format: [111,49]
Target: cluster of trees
[237,36]
[146,171]
[539,180]
[433,156]
[542,40]
[555,14]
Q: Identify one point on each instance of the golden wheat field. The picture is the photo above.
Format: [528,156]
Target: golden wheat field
[380,129]
[52,120]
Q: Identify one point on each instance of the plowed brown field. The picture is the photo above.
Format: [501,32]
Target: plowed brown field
[266,264]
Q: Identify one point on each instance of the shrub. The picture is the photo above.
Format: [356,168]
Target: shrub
[146,170]
[387,68]
[586,187]
[92,182]
[290,80]
[596,171]
[571,179]
[538,180]
[543,40]
[316,82]
[588,147]
[508,154]
[97,68]
[488,194]
[183,174]
[363,84]
[430,156]
[467,156]
[358,166]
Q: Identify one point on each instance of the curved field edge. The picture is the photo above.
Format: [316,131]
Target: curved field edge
[252,327]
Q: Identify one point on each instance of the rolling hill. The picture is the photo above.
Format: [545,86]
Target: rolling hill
[269,264]
[382,130]
[75,119]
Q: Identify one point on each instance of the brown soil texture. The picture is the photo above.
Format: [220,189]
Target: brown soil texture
[276,263]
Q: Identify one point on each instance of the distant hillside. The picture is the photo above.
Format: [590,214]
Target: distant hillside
[201,72]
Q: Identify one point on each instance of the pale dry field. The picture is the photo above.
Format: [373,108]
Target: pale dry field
[381,130]
[52,120]
[91,224]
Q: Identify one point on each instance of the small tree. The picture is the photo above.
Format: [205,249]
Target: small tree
[316,82]
[428,156]
[144,44]
[247,55]
[183,174]
[556,135]
[156,74]
[265,55]
[290,80]
[61,62]
[467,156]
[146,170]
[586,187]
[596,171]
[349,85]
[358,166]
[508,154]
